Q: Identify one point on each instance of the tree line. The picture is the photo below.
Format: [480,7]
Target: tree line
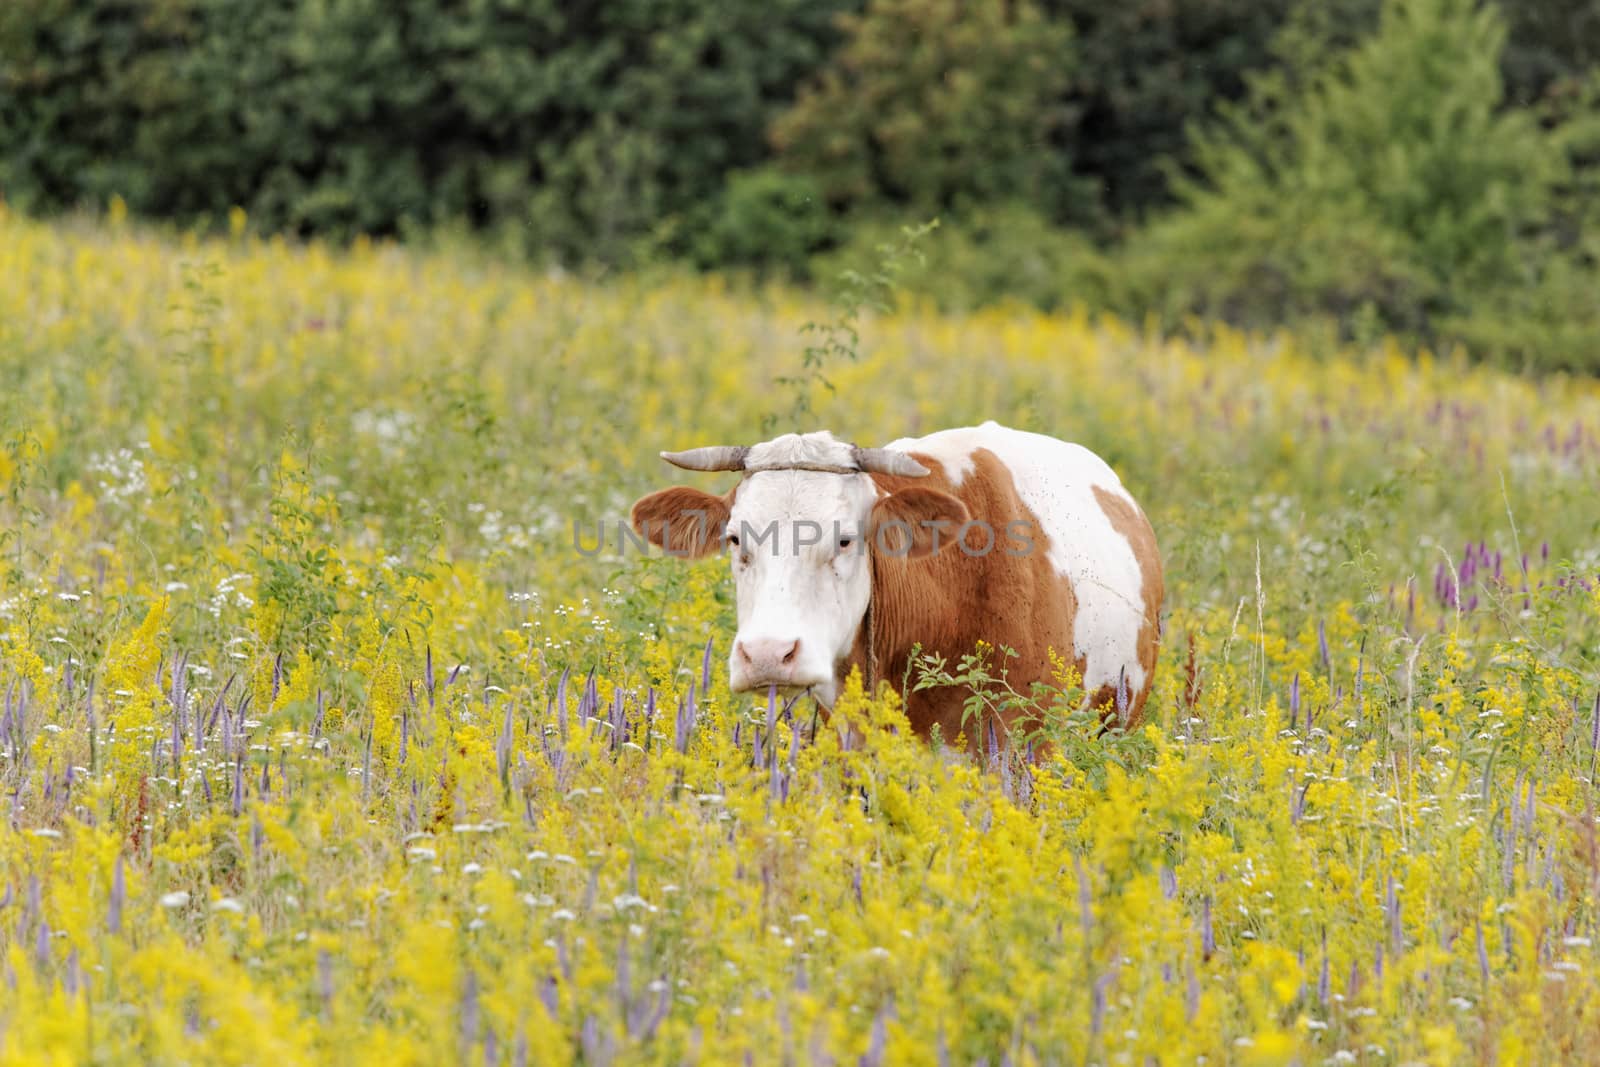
[1421,166]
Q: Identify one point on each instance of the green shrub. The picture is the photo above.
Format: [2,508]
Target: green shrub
[1394,183]
[1552,322]
[991,255]
[766,218]
[937,104]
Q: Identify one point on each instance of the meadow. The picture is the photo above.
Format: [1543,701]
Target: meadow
[323,742]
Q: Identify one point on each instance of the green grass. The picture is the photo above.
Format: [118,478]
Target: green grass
[323,743]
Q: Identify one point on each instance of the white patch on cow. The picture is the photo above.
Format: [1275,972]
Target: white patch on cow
[792,581]
[952,448]
[812,449]
[1056,480]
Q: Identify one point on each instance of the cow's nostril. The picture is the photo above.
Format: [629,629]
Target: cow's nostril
[794,650]
[743,653]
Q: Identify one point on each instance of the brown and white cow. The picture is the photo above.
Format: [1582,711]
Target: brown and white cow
[849,557]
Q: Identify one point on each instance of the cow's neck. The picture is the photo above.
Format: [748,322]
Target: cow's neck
[907,609]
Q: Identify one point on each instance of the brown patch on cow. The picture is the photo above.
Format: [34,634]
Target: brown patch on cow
[950,601]
[1008,596]
[683,521]
[916,522]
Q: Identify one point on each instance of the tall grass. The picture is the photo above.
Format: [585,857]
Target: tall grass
[321,740]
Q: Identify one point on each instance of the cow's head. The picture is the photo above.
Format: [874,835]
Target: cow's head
[800,530]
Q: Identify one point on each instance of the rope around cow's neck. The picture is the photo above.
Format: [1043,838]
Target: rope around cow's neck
[824,468]
[870,622]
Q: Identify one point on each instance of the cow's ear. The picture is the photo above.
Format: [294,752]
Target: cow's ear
[915,522]
[683,521]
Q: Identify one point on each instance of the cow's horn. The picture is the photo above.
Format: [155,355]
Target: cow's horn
[887,461]
[710,458]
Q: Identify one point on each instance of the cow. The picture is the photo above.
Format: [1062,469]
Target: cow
[846,558]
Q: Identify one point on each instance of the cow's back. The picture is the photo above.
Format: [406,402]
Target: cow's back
[1073,572]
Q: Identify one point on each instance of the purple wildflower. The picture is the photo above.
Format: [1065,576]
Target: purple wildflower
[325,981]
[469,1010]
[119,896]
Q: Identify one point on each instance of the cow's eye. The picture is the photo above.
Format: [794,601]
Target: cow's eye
[845,543]
[733,539]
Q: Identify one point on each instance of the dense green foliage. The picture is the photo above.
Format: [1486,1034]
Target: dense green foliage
[1553,44]
[939,105]
[1391,184]
[1422,166]
[590,125]
[1146,72]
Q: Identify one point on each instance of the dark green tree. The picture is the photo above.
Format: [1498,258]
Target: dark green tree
[1146,72]
[934,105]
[1553,45]
[1394,184]
[595,125]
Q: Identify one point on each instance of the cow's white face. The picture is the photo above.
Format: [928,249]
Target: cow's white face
[798,539]
[801,575]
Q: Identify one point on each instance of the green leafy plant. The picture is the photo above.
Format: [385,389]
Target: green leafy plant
[933,105]
[839,339]
[1392,190]
[1050,715]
